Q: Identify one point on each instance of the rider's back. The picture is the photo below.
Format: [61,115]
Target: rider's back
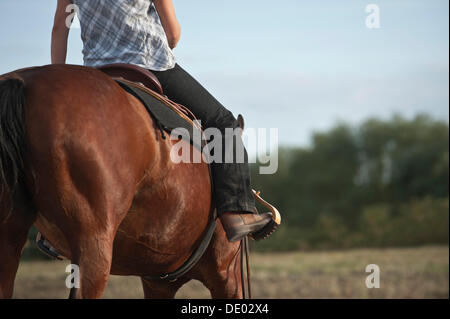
[123,31]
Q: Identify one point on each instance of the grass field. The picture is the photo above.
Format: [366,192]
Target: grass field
[405,273]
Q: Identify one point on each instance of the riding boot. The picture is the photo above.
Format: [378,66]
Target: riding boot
[237,225]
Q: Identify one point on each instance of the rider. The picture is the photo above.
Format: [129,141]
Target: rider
[144,33]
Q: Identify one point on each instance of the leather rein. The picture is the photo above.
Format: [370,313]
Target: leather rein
[245,252]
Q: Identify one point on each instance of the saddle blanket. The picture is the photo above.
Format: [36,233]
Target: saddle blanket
[165,117]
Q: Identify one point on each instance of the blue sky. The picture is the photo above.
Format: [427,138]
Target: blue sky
[300,66]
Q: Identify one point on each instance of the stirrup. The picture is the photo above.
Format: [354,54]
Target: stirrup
[271,226]
[45,246]
[276,216]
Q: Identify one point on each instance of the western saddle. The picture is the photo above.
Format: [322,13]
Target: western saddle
[146,81]
[133,73]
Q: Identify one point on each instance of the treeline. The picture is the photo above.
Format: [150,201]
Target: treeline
[383,183]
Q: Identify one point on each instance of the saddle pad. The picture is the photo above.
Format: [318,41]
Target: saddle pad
[165,118]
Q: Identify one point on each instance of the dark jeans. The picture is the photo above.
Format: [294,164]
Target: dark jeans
[231,180]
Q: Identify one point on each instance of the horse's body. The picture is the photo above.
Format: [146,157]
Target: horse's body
[100,185]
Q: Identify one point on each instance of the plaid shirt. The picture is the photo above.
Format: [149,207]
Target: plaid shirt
[123,31]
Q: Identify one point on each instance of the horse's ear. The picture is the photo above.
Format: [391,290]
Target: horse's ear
[240,120]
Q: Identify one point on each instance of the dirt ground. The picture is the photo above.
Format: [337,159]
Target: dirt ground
[404,273]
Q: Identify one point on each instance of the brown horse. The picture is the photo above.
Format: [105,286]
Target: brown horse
[82,160]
